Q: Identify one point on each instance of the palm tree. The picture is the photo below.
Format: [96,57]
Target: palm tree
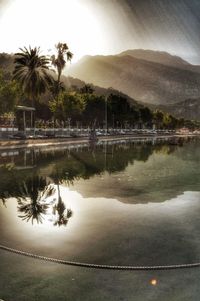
[56,87]
[31,71]
[59,61]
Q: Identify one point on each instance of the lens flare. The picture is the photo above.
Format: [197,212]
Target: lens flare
[154,282]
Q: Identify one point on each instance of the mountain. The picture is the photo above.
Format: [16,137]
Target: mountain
[188,109]
[152,82]
[160,57]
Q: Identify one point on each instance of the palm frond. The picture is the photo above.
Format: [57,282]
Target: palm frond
[31,71]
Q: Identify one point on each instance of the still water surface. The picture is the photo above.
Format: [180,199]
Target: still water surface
[123,202]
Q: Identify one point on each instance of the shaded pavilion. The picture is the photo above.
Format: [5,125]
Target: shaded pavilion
[25,111]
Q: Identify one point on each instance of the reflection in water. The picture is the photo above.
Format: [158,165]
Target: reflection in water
[32,210]
[150,171]
[3,200]
[59,210]
[33,198]
[31,204]
[143,204]
[63,214]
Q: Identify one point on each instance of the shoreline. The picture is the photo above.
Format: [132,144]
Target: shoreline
[15,144]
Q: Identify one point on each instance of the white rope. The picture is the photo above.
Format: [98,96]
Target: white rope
[102,266]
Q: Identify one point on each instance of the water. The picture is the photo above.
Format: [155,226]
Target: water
[123,203]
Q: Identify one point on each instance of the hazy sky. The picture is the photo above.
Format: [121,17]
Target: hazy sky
[102,26]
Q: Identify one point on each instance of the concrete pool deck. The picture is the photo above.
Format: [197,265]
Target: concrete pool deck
[29,280]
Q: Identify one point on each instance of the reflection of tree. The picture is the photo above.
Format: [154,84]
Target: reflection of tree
[3,200]
[81,164]
[31,201]
[32,210]
[59,210]
[63,214]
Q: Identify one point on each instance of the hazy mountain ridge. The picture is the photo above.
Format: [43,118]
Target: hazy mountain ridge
[146,81]
[188,109]
[160,57]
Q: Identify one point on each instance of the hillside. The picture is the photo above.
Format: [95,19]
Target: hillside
[188,109]
[160,57]
[147,81]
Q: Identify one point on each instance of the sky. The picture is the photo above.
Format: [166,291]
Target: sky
[93,27]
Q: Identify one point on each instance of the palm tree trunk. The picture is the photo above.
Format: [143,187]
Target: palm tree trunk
[33,120]
[59,76]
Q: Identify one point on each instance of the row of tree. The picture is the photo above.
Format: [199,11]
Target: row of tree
[33,77]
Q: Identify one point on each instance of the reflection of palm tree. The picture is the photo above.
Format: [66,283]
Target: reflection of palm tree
[33,192]
[32,210]
[59,209]
[3,201]
[63,214]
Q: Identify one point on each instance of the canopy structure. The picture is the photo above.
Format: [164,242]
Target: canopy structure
[25,109]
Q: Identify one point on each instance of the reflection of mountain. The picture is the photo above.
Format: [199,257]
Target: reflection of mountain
[130,172]
[160,178]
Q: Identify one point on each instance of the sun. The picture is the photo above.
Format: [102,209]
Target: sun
[46,22]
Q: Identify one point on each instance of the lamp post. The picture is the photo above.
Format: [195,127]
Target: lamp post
[113,117]
[69,119]
[106,116]
[24,121]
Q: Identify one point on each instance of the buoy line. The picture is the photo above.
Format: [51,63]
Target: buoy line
[102,266]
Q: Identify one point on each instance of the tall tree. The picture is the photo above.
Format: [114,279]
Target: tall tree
[146,116]
[59,61]
[87,89]
[9,94]
[31,71]
[158,118]
[68,104]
